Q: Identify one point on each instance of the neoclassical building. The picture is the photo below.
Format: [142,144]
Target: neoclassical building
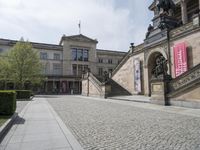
[166,66]
[63,64]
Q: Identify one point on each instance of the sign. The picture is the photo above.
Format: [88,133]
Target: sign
[137,76]
[180,59]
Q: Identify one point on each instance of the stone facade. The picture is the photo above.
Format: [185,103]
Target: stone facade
[63,69]
[162,42]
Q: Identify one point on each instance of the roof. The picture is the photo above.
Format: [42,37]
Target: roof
[110,52]
[79,37]
[9,42]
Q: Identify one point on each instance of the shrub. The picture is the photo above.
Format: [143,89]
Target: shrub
[7,102]
[23,94]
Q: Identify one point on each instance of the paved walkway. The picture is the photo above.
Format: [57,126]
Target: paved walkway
[100,124]
[38,127]
[134,98]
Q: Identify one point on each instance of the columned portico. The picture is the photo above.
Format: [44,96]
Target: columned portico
[184,11]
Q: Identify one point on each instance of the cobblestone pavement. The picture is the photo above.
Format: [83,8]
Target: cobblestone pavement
[105,125]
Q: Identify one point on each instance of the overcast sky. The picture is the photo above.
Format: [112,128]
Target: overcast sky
[114,23]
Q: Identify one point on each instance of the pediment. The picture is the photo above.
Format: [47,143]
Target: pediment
[80,38]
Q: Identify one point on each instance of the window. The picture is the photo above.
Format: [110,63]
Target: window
[85,55]
[100,71]
[74,54]
[43,55]
[74,69]
[110,61]
[110,70]
[1,50]
[85,68]
[100,60]
[57,69]
[118,62]
[80,54]
[56,56]
[45,68]
[80,69]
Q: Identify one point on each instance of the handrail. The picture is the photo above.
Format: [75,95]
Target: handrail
[95,79]
[92,78]
[126,57]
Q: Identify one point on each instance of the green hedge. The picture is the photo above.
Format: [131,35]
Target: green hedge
[23,94]
[7,102]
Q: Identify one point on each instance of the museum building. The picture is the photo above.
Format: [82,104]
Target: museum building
[63,64]
[166,66]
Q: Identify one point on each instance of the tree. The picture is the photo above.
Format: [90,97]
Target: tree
[24,64]
[5,71]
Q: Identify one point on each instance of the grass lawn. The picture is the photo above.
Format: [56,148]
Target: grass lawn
[3,119]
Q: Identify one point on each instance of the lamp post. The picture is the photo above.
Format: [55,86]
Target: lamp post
[132,47]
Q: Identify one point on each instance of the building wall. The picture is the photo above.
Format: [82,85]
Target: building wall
[65,52]
[125,75]
[116,57]
[67,55]
[50,61]
[193,49]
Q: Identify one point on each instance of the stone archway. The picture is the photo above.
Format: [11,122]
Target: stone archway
[151,63]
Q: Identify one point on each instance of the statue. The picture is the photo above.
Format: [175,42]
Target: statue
[105,76]
[161,67]
[150,28]
[166,5]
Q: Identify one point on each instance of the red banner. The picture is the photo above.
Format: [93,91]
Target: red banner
[180,59]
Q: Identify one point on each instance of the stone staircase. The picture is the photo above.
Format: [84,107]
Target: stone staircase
[185,89]
[116,89]
[185,82]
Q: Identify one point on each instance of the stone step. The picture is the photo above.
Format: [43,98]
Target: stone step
[134,98]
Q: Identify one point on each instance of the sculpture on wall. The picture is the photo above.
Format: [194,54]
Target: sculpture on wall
[150,29]
[165,5]
[160,69]
[105,76]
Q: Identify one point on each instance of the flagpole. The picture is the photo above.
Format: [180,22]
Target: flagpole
[79,25]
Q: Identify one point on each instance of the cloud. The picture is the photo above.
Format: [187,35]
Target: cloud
[113,24]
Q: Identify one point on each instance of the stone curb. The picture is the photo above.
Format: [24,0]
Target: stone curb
[70,137]
[129,100]
[7,125]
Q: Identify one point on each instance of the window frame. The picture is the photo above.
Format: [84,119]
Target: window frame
[42,54]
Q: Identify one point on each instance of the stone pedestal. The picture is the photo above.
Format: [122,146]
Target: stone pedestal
[159,91]
[106,89]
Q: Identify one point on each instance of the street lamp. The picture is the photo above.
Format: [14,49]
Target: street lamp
[132,47]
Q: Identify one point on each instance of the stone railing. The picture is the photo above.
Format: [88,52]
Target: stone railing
[123,61]
[136,49]
[186,80]
[95,79]
[93,87]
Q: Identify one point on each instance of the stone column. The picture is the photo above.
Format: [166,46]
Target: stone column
[199,6]
[184,11]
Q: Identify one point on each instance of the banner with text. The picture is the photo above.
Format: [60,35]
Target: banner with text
[180,59]
[137,76]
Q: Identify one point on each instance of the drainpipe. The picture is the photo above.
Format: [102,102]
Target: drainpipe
[169,51]
[88,75]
